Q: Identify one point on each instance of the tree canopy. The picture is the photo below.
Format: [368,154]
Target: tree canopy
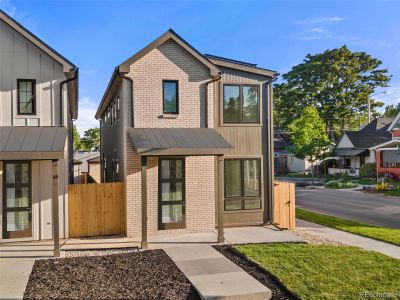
[91,139]
[76,138]
[337,83]
[391,110]
[308,135]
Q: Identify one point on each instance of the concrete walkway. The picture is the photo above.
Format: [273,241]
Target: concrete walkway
[14,275]
[214,276]
[350,238]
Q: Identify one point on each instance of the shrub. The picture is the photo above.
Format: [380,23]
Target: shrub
[337,184]
[368,170]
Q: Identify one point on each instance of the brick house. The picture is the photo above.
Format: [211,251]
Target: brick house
[38,101]
[191,137]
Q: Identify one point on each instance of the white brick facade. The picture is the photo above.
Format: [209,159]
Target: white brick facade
[170,62]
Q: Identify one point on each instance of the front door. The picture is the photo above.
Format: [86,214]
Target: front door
[171,195]
[17,200]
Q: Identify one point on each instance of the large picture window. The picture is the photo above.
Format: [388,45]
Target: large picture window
[242,184]
[241,103]
[170,97]
[26,96]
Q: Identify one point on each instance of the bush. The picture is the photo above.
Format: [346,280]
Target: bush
[337,184]
[368,170]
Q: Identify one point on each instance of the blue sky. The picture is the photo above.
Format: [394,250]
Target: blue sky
[98,35]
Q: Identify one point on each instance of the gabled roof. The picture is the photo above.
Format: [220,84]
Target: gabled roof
[67,65]
[70,70]
[373,134]
[170,34]
[394,123]
[124,67]
[240,65]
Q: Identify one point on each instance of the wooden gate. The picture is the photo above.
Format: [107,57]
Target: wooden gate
[285,205]
[96,209]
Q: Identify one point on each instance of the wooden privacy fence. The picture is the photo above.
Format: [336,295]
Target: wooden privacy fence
[284,205]
[96,209]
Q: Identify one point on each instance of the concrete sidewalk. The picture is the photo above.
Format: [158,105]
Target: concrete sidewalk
[350,238]
[214,276]
[14,275]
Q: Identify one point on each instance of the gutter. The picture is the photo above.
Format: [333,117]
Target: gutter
[76,71]
[217,78]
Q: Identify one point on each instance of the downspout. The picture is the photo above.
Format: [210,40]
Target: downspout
[206,100]
[61,94]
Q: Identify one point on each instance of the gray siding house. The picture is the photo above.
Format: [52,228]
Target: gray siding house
[191,137]
[38,101]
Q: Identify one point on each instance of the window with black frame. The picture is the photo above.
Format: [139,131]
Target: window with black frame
[242,184]
[241,104]
[170,97]
[26,96]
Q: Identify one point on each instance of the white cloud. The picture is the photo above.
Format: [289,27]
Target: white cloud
[389,96]
[327,19]
[86,119]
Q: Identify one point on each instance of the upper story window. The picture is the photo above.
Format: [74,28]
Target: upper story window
[241,103]
[26,96]
[170,97]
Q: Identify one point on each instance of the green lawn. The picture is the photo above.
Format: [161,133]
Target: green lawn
[389,235]
[327,272]
[393,193]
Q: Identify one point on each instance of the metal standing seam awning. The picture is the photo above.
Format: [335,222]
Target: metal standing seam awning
[349,152]
[31,143]
[178,141]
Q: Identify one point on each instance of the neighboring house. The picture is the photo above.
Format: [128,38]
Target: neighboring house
[189,135]
[38,101]
[387,154]
[87,163]
[284,161]
[355,148]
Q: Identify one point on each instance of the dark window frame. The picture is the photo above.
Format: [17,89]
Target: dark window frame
[16,186]
[177,96]
[242,197]
[241,101]
[182,224]
[33,81]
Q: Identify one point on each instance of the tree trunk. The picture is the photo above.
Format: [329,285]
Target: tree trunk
[312,173]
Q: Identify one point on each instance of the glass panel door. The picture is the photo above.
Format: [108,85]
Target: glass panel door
[171,193]
[17,204]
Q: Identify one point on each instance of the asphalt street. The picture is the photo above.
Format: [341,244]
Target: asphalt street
[354,205]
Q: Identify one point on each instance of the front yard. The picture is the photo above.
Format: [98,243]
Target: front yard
[142,275]
[388,235]
[326,271]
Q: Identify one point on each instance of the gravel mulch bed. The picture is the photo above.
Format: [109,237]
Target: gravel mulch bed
[279,291]
[79,253]
[141,275]
[316,239]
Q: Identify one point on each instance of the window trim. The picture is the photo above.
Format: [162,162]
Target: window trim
[177,96]
[222,104]
[33,81]
[242,197]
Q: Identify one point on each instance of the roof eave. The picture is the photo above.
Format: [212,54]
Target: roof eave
[241,67]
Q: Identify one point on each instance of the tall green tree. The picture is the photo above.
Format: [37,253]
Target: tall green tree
[338,83]
[391,110]
[309,137]
[76,138]
[91,139]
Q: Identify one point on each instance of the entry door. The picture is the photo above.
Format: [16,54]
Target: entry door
[17,204]
[171,193]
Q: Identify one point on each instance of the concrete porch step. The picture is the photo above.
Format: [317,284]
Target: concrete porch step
[214,276]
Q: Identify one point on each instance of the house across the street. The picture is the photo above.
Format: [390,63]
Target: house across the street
[190,135]
[377,142]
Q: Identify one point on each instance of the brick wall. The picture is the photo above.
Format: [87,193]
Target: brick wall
[170,61]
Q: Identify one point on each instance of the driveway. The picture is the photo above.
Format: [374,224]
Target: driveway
[355,205]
